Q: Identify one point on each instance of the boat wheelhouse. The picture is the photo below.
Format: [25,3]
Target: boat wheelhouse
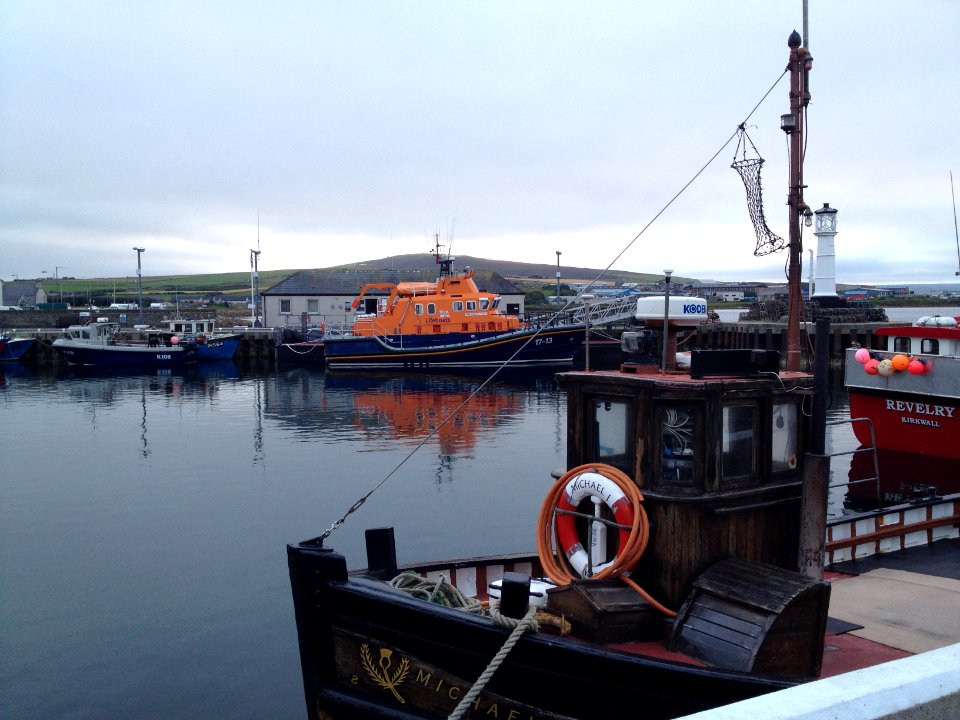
[212,343]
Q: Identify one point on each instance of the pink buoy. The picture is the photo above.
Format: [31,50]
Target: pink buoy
[916,367]
[862,355]
[870,366]
[174,340]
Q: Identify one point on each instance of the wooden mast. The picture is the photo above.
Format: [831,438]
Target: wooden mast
[799,67]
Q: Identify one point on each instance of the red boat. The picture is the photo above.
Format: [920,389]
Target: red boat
[908,391]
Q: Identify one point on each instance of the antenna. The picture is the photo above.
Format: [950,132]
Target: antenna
[956,235]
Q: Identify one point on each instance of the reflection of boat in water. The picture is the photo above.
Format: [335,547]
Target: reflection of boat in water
[909,389]
[898,477]
[409,408]
[449,323]
[211,370]
[104,345]
[15,371]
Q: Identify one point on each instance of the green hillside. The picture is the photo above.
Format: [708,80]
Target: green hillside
[165,287]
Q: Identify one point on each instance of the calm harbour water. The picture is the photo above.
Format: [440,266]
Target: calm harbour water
[143,519]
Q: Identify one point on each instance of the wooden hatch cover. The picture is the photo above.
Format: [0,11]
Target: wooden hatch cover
[754,617]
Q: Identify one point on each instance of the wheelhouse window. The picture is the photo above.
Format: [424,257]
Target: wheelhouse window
[677,445]
[613,433]
[784,433]
[458,305]
[484,303]
[418,308]
[284,306]
[739,433]
[431,309]
[471,304]
[930,346]
[901,344]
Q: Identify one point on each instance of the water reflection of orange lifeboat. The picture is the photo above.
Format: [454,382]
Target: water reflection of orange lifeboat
[411,416]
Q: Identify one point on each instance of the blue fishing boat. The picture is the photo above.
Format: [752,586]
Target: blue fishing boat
[105,345]
[13,349]
[212,344]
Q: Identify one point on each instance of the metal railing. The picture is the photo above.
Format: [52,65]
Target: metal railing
[871,448]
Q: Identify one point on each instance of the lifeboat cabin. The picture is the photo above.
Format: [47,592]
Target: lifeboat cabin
[449,306]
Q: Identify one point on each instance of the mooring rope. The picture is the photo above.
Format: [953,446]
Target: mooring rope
[456,411]
[438,592]
[527,622]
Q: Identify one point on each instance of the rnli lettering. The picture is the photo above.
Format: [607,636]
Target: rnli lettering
[919,408]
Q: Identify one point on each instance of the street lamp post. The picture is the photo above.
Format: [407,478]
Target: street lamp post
[255,287]
[56,276]
[666,318]
[139,251]
[558,278]
[586,329]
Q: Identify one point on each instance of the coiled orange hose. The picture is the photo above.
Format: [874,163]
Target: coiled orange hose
[554,560]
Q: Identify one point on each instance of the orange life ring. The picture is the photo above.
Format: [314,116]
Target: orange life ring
[596,483]
[556,530]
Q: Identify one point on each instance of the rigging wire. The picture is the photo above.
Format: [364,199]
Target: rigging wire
[956,234]
[555,317]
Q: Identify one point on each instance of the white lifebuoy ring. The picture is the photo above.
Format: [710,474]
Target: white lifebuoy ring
[577,489]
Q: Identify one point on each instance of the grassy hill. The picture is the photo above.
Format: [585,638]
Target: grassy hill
[79,290]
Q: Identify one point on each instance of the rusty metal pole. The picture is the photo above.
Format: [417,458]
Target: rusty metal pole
[798,66]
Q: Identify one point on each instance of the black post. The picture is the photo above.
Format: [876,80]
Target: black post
[381,553]
[816,465]
[821,381]
[312,568]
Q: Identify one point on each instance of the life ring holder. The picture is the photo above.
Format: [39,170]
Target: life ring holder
[551,547]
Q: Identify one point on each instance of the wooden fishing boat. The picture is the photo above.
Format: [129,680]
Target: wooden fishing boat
[449,323]
[668,571]
[680,559]
[906,392]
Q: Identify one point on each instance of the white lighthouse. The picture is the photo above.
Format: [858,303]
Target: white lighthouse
[825,284]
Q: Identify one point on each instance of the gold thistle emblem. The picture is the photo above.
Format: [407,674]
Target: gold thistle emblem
[381,674]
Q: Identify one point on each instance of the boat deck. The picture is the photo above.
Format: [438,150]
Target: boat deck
[883,607]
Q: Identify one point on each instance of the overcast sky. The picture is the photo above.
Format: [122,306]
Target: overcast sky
[355,130]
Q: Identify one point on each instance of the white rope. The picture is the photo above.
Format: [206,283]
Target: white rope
[528,622]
